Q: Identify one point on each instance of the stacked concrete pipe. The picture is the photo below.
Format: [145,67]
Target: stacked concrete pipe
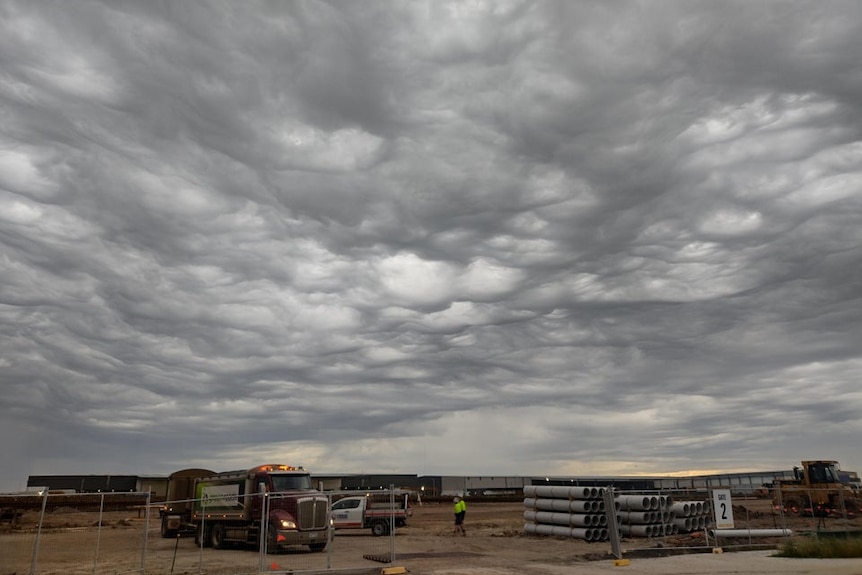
[691,515]
[646,515]
[577,512]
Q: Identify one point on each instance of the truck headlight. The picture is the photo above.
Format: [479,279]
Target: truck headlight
[285,524]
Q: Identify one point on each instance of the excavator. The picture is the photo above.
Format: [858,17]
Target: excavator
[816,489]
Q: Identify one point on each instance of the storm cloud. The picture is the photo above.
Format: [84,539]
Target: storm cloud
[465,238]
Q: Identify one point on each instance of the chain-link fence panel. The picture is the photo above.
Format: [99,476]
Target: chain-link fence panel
[100,533]
[96,534]
[223,532]
[707,518]
[836,507]
[366,526]
[301,532]
[18,528]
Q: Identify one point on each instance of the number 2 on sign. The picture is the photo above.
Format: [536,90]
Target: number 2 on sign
[723,509]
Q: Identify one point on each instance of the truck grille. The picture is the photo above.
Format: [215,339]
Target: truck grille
[312,513]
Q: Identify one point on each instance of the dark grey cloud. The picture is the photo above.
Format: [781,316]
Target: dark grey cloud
[441,237]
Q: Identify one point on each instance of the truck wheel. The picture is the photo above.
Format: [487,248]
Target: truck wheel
[167,533]
[317,547]
[217,536]
[271,539]
[202,539]
[379,528]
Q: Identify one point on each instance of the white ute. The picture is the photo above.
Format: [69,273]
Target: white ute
[373,512]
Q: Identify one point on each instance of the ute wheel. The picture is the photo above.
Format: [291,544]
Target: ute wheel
[167,533]
[379,528]
[317,547]
[217,536]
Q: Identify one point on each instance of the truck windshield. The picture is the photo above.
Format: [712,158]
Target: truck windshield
[290,482]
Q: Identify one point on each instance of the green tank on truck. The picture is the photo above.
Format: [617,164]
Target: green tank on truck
[275,503]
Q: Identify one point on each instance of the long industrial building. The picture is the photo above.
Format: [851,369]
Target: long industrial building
[442,485]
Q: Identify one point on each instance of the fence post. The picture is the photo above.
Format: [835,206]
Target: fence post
[392,523]
[202,536]
[261,538]
[613,527]
[781,507]
[329,532]
[99,532]
[842,504]
[146,533]
[39,532]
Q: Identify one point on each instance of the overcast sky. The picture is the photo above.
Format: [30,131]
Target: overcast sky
[460,238]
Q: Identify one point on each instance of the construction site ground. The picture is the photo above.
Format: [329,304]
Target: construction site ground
[496,544]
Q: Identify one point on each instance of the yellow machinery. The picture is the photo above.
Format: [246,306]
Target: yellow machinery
[816,489]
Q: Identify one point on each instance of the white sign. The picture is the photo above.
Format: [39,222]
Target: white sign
[722,508]
[220,495]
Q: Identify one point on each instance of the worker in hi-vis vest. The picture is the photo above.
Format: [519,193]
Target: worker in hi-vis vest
[460,511]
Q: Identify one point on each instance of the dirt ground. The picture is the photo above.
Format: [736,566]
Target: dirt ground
[495,545]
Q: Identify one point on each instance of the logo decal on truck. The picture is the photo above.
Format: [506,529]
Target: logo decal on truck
[220,496]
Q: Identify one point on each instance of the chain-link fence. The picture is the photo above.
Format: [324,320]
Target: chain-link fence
[115,533]
[108,534]
[80,533]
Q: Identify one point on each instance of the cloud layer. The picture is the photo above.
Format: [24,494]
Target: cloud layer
[430,237]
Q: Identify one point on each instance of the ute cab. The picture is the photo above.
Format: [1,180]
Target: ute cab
[372,511]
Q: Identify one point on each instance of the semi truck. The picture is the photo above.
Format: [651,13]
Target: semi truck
[369,511]
[273,503]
